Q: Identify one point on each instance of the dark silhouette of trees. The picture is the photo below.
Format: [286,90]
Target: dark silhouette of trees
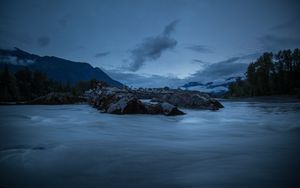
[270,74]
[239,88]
[9,90]
[24,81]
[26,85]
[40,84]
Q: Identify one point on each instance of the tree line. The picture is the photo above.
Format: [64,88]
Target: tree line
[25,85]
[270,74]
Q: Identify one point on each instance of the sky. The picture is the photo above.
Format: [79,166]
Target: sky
[153,42]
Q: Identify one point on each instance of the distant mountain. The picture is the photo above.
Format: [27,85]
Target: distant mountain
[56,68]
[216,88]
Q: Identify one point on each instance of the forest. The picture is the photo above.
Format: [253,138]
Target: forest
[270,74]
[26,85]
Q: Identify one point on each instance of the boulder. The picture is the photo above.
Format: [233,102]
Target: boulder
[163,108]
[216,103]
[170,110]
[127,105]
[153,108]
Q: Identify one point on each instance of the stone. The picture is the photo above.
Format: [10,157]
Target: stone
[170,110]
[127,105]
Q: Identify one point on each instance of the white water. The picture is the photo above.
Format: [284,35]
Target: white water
[246,144]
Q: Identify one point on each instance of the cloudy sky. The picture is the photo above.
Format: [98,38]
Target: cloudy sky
[153,42]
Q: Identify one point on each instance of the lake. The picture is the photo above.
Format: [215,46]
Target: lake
[246,144]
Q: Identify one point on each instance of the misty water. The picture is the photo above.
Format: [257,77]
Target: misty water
[246,144]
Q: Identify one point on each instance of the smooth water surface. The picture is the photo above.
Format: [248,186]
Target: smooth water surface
[246,144]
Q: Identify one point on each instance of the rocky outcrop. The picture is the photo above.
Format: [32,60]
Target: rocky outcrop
[181,98]
[117,101]
[162,100]
[57,98]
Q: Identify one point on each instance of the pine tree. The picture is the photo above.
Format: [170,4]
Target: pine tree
[9,89]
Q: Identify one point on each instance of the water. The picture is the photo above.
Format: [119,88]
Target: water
[246,144]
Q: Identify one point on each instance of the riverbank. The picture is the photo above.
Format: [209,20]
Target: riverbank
[273,99]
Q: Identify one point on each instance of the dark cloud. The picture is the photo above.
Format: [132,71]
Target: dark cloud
[234,66]
[291,26]
[199,48]
[152,48]
[250,57]
[200,61]
[43,41]
[170,28]
[220,70]
[282,36]
[102,54]
[275,42]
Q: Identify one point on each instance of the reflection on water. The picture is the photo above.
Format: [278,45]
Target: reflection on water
[246,144]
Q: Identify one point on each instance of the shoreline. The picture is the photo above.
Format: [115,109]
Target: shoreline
[28,103]
[274,98]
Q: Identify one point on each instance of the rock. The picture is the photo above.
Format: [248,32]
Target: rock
[180,98]
[103,102]
[216,103]
[170,110]
[153,108]
[162,100]
[57,98]
[163,108]
[127,105]
[190,100]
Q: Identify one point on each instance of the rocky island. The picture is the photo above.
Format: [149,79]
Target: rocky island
[165,101]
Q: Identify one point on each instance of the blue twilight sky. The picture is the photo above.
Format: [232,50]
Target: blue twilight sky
[153,42]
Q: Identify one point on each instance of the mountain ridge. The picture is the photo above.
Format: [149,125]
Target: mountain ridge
[56,68]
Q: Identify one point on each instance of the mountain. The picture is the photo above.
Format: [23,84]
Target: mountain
[216,88]
[58,69]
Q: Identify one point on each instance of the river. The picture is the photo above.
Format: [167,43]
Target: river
[246,144]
